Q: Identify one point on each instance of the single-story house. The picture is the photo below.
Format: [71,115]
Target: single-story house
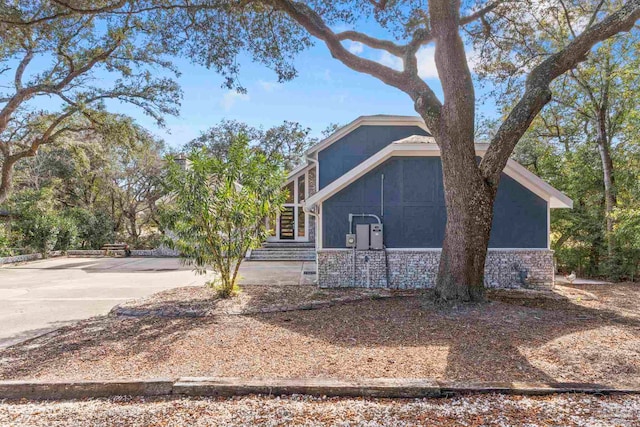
[370,198]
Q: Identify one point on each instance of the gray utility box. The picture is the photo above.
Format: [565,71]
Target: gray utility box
[376,242]
[351,241]
[362,237]
[368,236]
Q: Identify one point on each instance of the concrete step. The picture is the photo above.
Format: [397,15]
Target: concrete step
[262,255]
[292,250]
[285,251]
[292,253]
[310,259]
[289,245]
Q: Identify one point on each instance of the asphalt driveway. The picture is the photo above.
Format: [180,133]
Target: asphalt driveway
[40,296]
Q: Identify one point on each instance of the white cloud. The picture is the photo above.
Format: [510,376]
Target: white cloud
[426,61]
[269,86]
[356,47]
[473,58]
[390,60]
[323,75]
[340,98]
[230,98]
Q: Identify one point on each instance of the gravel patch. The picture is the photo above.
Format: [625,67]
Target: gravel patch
[565,410]
[513,337]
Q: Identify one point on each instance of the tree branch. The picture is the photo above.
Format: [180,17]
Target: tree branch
[567,18]
[71,10]
[109,7]
[407,82]
[20,69]
[372,42]
[453,69]
[464,20]
[594,15]
[24,94]
[537,92]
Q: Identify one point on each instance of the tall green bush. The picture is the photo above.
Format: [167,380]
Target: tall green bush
[216,208]
[40,232]
[94,228]
[67,234]
[5,242]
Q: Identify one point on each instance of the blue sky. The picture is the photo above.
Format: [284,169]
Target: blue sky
[326,91]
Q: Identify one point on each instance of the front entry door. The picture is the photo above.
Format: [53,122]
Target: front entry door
[288,223]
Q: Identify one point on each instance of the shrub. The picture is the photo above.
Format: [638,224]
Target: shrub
[217,208]
[40,232]
[94,229]
[5,243]
[67,234]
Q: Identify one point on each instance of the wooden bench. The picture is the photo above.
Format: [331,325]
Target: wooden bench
[116,247]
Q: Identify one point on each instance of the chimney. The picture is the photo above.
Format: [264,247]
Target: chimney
[181,160]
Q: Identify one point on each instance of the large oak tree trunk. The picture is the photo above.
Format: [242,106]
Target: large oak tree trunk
[464,251]
[468,197]
[469,202]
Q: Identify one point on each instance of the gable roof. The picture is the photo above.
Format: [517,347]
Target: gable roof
[375,120]
[417,145]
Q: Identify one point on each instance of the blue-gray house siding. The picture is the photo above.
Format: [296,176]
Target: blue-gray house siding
[414,208]
[357,146]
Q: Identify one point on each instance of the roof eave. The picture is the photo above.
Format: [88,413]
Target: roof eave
[363,121]
[534,183]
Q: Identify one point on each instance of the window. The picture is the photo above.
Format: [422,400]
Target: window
[290,195]
[301,189]
[300,222]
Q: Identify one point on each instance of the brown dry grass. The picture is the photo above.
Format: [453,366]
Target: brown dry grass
[580,333]
[203,301]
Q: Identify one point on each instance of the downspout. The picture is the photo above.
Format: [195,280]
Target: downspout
[384,247]
[312,211]
[382,196]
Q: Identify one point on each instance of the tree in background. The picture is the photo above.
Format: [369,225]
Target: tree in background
[584,142]
[107,185]
[73,48]
[286,142]
[215,208]
[39,226]
[95,227]
[136,185]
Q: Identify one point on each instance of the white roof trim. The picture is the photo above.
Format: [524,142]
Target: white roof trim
[513,169]
[297,171]
[379,120]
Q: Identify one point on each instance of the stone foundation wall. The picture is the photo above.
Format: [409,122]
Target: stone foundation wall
[161,251]
[413,269]
[20,258]
[28,257]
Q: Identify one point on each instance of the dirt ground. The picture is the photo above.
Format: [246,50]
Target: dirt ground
[586,333]
[558,410]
